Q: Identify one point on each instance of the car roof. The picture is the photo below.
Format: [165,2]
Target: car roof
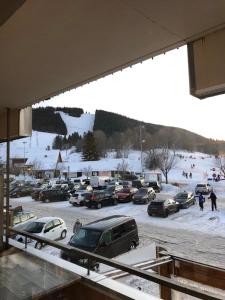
[46,219]
[107,222]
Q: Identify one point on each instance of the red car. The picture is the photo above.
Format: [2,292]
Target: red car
[126,194]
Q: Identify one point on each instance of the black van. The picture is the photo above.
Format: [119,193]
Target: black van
[108,237]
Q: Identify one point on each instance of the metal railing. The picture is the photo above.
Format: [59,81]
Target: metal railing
[156,278]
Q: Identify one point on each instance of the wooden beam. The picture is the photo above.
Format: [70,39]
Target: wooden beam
[1,210]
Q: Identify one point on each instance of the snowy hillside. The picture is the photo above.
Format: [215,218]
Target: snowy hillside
[80,125]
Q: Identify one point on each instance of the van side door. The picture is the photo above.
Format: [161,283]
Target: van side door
[105,246]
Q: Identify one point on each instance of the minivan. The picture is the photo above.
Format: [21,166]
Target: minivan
[108,237]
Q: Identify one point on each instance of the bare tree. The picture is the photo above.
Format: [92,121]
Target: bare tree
[122,167]
[167,161]
[87,171]
[152,159]
[220,163]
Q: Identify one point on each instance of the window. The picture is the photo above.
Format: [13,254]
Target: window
[49,226]
[119,231]
[106,237]
[56,222]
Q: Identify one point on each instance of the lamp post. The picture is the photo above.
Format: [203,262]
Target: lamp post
[141,146]
[24,159]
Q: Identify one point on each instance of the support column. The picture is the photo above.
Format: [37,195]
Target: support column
[7,174]
[1,210]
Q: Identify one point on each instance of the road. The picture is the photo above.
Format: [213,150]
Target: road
[203,247]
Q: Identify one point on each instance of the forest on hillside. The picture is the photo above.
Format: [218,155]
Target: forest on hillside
[114,132]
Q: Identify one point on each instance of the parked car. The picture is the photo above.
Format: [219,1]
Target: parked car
[162,207]
[137,183]
[78,198]
[108,237]
[155,185]
[204,188]
[18,216]
[52,228]
[185,199]
[126,183]
[112,190]
[36,191]
[98,199]
[21,191]
[54,194]
[144,195]
[126,194]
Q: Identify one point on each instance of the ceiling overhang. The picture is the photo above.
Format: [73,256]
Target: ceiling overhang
[48,47]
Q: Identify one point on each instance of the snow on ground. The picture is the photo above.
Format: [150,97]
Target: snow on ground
[80,125]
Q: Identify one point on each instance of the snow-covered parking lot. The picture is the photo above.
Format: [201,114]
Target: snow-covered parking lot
[190,232]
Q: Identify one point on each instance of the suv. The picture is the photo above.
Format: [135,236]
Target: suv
[108,237]
[163,207]
[203,188]
[97,199]
[144,195]
[54,194]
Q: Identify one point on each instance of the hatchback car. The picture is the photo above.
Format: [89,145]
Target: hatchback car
[52,228]
[185,199]
[144,196]
[126,194]
[163,207]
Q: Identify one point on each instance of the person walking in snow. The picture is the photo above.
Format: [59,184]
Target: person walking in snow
[213,200]
[190,175]
[201,201]
[77,226]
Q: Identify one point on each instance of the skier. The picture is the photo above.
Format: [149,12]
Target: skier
[77,226]
[213,200]
[201,201]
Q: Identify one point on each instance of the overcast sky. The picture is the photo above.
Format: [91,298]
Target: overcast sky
[156,91]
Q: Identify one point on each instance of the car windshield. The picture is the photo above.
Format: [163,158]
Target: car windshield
[152,183]
[110,188]
[34,227]
[86,238]
[126,191]
[142,192]
[182,196]
[201,185]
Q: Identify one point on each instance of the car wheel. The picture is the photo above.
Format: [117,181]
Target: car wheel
[63,234]
[81,203]
[133,245]
[114,202]
[177,210]
[99,205]
[38,245]
[166,214]
[149,214]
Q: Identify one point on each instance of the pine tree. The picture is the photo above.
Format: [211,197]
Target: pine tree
[89,149]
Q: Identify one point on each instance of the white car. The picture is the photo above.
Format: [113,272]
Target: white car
[52,228]
[78,198]
[204,188]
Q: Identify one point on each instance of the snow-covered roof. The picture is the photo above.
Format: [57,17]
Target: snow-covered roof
[43,160]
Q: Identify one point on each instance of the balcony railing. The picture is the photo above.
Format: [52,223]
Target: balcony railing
[154,277]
